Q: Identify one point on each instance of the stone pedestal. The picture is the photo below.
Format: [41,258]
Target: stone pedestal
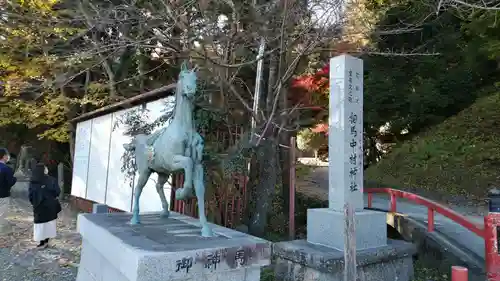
[166,249]
[323,256]
[301,261]
[326,227]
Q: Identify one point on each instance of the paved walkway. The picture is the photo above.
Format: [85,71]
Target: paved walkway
[21,261]
[316,184]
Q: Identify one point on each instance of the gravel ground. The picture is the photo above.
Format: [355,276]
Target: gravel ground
[21,261]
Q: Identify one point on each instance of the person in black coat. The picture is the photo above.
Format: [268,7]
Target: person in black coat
[7,181]
[43,193]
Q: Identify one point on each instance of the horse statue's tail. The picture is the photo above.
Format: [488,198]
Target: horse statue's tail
[144,153]
[129,146]
[137,142]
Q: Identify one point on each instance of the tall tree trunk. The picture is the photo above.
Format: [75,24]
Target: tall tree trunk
[285,172]
[283,135]
[253,173]
[284,150]
[253,181]
[105,61]
[267,162]
[72,143]
[70,114]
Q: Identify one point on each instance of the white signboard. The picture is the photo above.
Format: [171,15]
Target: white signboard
[98,158]
[97,167]
[120,186]
[81,159]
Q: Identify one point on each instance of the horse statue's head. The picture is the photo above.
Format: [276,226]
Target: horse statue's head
[187,79]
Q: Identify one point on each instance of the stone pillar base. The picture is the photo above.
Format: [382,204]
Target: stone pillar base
[166,249]
[301,261]
[326,227]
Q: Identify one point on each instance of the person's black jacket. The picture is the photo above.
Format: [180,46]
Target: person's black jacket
[7,180]
[43,196]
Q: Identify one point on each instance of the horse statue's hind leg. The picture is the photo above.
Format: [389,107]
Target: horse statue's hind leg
[143,179]
[162,179]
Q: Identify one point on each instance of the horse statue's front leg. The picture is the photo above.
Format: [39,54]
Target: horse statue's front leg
[199,183]
[141,182]
[199,187]
[186,164]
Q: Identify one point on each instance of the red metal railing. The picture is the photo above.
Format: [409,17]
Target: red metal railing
[492,259]
[432,208]
[488,232]
[459,273]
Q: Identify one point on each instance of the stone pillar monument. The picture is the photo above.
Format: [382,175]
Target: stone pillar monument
[324,255]
[345,143]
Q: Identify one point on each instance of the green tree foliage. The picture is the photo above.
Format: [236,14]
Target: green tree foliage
[484,25]
[456,157]
[28,69]
[56,63]
[413,92]
[309,140]
[459,157]
[59,59]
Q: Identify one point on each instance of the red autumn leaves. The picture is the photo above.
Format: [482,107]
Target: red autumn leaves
[311,91]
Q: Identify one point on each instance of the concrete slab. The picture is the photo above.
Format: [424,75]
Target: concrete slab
[166,249]
[301,261]
[326,227]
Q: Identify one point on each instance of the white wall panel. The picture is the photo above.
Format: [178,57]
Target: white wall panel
[81,159]
[97,172]
[120,186]
[98,159]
